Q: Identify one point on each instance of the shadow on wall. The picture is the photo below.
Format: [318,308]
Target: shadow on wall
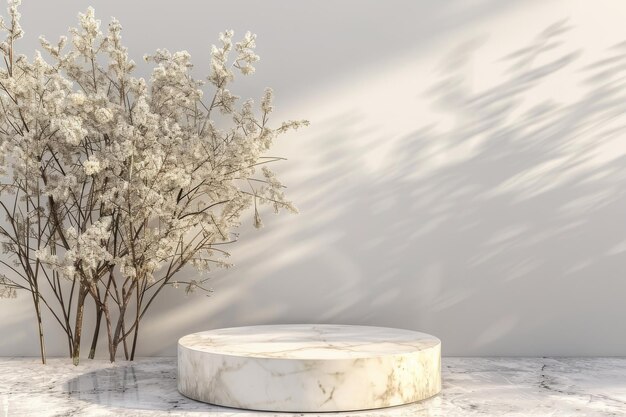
[491,233]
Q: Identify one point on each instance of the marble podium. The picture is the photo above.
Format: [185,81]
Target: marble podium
[309,368]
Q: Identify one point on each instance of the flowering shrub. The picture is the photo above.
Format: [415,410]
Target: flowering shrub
[113,184]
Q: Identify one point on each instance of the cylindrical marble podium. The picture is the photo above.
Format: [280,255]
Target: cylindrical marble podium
[309,368]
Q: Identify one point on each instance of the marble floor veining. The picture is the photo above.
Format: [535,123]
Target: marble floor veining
[471,387]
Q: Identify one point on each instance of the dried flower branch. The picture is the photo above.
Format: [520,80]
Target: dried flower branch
[115,184]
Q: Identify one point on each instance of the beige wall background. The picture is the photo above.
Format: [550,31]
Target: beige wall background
[464,173]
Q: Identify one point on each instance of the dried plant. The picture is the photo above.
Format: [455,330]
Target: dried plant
[114,184]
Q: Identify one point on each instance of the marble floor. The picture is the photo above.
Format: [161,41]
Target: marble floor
[471,387]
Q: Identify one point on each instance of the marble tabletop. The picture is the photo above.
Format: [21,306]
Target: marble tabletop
[471,387]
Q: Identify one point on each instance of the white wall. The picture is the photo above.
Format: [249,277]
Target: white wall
[464,172]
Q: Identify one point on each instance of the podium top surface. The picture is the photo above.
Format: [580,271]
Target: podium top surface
[309,341]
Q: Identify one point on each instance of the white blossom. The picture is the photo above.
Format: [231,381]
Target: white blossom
[103,115]
[69,128]
[245,54]
[77,99]
[7,287]
[92,166]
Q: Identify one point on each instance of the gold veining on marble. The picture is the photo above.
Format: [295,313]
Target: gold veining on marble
[304,368]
